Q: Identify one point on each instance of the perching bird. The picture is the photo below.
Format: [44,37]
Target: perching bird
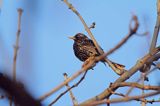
[84,48]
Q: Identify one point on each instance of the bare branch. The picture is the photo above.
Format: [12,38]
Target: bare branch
[147,58]
[125,76]
[74,101]
[75,85]
[16,47]
[155,36]
[136,85]
[138,80]
[132,31]
[85,25]
[156,30]
[124,99]
[143,79]
[84,69]
[140,99]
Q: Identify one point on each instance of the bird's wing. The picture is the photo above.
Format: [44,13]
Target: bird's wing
[91,50]
[91,43]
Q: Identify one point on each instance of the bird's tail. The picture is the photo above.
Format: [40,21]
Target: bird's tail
[116,67]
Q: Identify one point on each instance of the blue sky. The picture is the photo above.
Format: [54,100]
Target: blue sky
[46,53]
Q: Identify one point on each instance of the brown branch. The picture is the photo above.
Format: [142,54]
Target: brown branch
[74,101]
[147,58]
[140,99]
[16,47]
[132,31]
[155,36]
[136,85]
[83,69]
[137,99]
[125,76]
[124,99]
[156,29]
[75,85]
[84,24]
[138,80]
[143,79]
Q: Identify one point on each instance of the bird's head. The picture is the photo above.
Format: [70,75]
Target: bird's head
[79,37]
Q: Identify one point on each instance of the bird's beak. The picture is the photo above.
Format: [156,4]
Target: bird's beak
[72,37]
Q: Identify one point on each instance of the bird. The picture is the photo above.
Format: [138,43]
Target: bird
[84,48]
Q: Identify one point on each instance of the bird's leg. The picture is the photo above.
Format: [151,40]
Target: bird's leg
[87,62]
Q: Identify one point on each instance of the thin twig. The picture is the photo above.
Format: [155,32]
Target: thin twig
[156,29]
[84,69]
[16,47]
[143,79]
[147,67]
[132,31]
[154,38]
[84,24]
[75,85]
[138,80]
[74,101]
[115,93]
[136,85]
[140,99]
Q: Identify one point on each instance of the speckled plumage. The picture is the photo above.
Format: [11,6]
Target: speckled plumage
[84,47]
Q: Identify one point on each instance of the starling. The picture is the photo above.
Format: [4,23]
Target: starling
[84,48]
